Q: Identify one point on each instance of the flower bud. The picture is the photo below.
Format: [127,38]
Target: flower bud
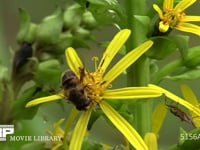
[88,20]
[50,69]
[49,30]
[82,33]
[27,29]
[72,16]
[3,73]
[65,40]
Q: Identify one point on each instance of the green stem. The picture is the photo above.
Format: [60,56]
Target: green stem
[142,110]
[138,74]
[166,70]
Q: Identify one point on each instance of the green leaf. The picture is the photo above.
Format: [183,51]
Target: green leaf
[143,21]
[49,30]
[18,109]
[192,58]
[162,47]
[165,45]
[188,75]
[181,42]
[105,11]
[79,42]
[93,118]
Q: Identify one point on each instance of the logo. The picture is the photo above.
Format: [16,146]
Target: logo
[9,129]
[5,130]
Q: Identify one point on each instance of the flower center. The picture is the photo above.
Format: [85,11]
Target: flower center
[172,17]
[93,83]
[94,86]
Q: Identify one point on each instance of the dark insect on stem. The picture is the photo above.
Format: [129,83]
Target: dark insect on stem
[87,4]
[21,56]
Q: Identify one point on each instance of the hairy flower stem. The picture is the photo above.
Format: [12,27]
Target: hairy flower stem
[138,74]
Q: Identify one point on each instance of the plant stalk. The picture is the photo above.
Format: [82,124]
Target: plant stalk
[138,74]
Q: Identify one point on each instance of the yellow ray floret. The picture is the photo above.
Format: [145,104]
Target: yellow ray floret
[131,93]
[112,49]
[40,100]
[80,131]
[124,127]
[126,61]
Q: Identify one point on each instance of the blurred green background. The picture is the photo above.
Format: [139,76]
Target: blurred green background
[38,9]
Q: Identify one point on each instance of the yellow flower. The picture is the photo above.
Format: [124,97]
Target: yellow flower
[97,89]
[175,17]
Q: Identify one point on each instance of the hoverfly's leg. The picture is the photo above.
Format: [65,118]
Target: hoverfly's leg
[82,74]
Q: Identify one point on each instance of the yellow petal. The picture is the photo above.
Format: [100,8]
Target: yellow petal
[126,61]
[131,93]
[70,119]
[183,4]
[159,11]
[124,127]
[73,60]
[56,146]
[177,99]
[168,4]
[57,129]
[188,27]
[151,141]
[158,117]
[190,18]
[43,100]
[112,49]
[163,27]
[191,98]
[80,130]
